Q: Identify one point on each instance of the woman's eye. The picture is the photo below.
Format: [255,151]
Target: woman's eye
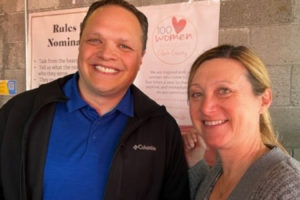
[224,91]
[195,95]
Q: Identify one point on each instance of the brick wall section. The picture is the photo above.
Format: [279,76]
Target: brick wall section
[271,28]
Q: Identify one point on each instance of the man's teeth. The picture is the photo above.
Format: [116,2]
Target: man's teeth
[213,123]
[105,69]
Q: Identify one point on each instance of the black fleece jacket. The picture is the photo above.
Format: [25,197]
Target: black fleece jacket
[148,163]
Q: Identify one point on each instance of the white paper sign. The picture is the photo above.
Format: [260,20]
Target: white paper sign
[53,45]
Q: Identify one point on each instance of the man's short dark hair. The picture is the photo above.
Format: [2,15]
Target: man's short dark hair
[124,4]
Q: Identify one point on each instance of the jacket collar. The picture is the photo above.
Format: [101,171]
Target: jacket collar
[51,92]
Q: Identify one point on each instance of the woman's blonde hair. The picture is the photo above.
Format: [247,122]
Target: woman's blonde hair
[257,75]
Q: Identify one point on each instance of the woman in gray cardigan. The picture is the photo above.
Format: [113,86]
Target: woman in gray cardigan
[229,93]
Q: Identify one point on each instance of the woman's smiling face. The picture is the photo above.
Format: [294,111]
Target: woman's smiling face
[223,106]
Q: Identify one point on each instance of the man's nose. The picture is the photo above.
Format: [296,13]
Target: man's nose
[107,51]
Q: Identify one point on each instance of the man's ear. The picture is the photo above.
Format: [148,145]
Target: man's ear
[266,100]
[141,61]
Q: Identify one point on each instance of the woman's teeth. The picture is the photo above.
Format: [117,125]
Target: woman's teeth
[213,123]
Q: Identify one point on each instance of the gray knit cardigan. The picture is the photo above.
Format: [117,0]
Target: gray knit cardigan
[275,175]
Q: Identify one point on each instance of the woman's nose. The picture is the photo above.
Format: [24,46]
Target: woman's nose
[208,105]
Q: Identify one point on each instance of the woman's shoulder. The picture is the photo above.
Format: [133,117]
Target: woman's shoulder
[284,165]
[281,181]
[287,170]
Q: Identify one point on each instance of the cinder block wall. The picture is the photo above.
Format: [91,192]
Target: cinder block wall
[271,28]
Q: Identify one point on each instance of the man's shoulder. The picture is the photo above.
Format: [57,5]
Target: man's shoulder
[143,104]
[147,108]
[43,91]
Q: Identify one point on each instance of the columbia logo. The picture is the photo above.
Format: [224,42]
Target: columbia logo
[144,147]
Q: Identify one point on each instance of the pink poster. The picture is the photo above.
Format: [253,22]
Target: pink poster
[178,33]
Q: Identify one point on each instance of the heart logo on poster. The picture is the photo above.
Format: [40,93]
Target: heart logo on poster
[178,25]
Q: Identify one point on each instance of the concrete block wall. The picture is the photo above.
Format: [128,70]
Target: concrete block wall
[271,28]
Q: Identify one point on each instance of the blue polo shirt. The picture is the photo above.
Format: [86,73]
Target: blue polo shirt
[81,146]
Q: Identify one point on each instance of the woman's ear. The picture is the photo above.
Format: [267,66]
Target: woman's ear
[266,100]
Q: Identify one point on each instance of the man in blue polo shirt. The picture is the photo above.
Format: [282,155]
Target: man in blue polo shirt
[93,134]
[83,162]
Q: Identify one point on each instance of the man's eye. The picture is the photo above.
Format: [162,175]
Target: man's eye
[124,46]
[94,41]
